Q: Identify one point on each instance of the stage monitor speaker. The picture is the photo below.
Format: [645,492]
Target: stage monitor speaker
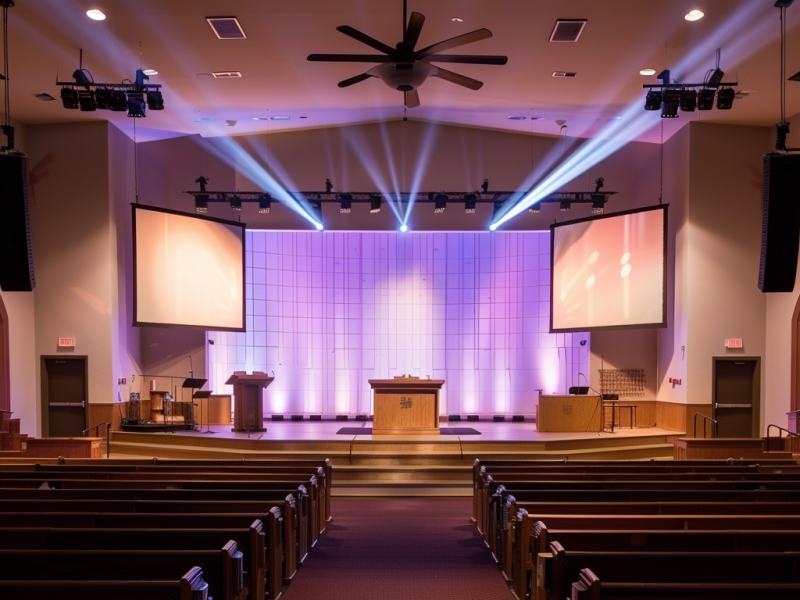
[16,255]
[780,223]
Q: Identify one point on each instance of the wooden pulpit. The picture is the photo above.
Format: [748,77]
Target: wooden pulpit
[248,407]
[406,405]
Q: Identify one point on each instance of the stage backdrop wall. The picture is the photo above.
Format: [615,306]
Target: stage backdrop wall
[328,311]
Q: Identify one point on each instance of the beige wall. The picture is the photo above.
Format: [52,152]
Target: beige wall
[20,308]
[780,308]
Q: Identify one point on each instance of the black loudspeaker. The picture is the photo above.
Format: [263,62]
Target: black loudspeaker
[780,223]
[16,256]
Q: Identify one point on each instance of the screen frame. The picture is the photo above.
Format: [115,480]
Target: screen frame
[137,322]
[663,322]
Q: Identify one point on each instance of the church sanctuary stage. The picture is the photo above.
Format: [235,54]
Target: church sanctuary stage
[437,465]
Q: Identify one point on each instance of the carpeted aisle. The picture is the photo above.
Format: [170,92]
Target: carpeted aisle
[399,549]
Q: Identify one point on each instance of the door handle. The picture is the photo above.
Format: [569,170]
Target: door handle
[733,406]
[66,404]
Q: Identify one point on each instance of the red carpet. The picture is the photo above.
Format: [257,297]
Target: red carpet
[399,549]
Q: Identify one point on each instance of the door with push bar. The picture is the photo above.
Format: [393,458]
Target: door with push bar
[736,396]
[64,396]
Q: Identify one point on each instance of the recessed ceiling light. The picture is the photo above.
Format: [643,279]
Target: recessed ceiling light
[517,118]
[647,72]
[303,117]
[226,74]
[537,118]
[44,97]
[280,118]
[457,20]
[564,74]
[96,15]
[205,120]
[149,72]
[260,118]
[694,15]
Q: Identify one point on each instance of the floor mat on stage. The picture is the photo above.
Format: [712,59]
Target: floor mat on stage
[442,430]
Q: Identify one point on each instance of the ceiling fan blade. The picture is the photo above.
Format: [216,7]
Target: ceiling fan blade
[413,30]
[467,82]
[353,80]
[369,58]
[365,39]
[412,99]
[459,40]
[470,59]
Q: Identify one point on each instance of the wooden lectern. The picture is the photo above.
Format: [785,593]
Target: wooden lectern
[248,408]
[406,405]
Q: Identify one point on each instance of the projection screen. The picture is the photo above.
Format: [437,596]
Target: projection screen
[609,272]
[188,270]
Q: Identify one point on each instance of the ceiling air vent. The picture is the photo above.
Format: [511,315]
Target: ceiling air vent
[226,28]
[564,73]
[567,30]
[226,74]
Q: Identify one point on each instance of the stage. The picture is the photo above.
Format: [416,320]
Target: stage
[398,464]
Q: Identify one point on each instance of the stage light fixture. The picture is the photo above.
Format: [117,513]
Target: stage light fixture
[118,102]
[236,203]
[439,204]
[598,204]
[341,417]
[565,205]
[725,98]
[403,227]
[705,98]
[469,203]
[454,417]
[688,100]
[102,97]
[69,98]
[86,100]
[535,208]
[375,204]
[264,202]
[201,204]
[653,100]
[498,418]
[136,104]
[346,203]
[155,101]
[669,105]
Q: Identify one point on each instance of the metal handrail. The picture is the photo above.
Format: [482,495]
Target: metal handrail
[780,435]
[108,435]
[705,420]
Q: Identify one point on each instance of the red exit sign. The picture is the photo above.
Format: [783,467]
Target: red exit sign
[733,343]
[66,342]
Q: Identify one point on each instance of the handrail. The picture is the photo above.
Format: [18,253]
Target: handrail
[108,435]
[780,435]
[706,418]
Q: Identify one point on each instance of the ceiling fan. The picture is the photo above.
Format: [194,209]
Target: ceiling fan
[404,69]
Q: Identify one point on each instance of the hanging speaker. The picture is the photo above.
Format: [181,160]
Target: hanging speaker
[16,256]
[780,223]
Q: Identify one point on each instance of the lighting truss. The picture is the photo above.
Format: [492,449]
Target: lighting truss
[87,95]
[595,200]
[668,96]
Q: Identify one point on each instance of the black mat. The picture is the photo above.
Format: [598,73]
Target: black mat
[442,430]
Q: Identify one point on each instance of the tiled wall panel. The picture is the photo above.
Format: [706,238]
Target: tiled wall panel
[328,311]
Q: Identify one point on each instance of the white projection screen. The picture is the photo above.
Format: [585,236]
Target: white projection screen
[188,270]
[609,272]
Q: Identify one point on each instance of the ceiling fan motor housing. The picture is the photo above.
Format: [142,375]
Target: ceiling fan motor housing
[403,76]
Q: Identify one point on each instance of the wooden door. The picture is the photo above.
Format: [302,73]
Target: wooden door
[64,395]
[736,396]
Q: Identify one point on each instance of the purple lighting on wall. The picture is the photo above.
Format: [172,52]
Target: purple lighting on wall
[326,312]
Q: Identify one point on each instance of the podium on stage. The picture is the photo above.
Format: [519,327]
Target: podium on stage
[248,408]
[406,405]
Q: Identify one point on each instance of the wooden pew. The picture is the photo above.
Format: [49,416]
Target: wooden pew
[676,567]
[223,568]
[589,587]
[263,569]
[190,587]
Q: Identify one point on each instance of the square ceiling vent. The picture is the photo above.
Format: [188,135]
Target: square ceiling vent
[226,28]
[567,30]
[226,74]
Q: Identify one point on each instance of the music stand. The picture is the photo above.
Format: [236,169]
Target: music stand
[193,384]
[200,395]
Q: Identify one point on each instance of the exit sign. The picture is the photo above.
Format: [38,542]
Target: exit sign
[66,342]
[733,343]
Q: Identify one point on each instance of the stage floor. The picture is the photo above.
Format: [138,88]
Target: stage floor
[318,431]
